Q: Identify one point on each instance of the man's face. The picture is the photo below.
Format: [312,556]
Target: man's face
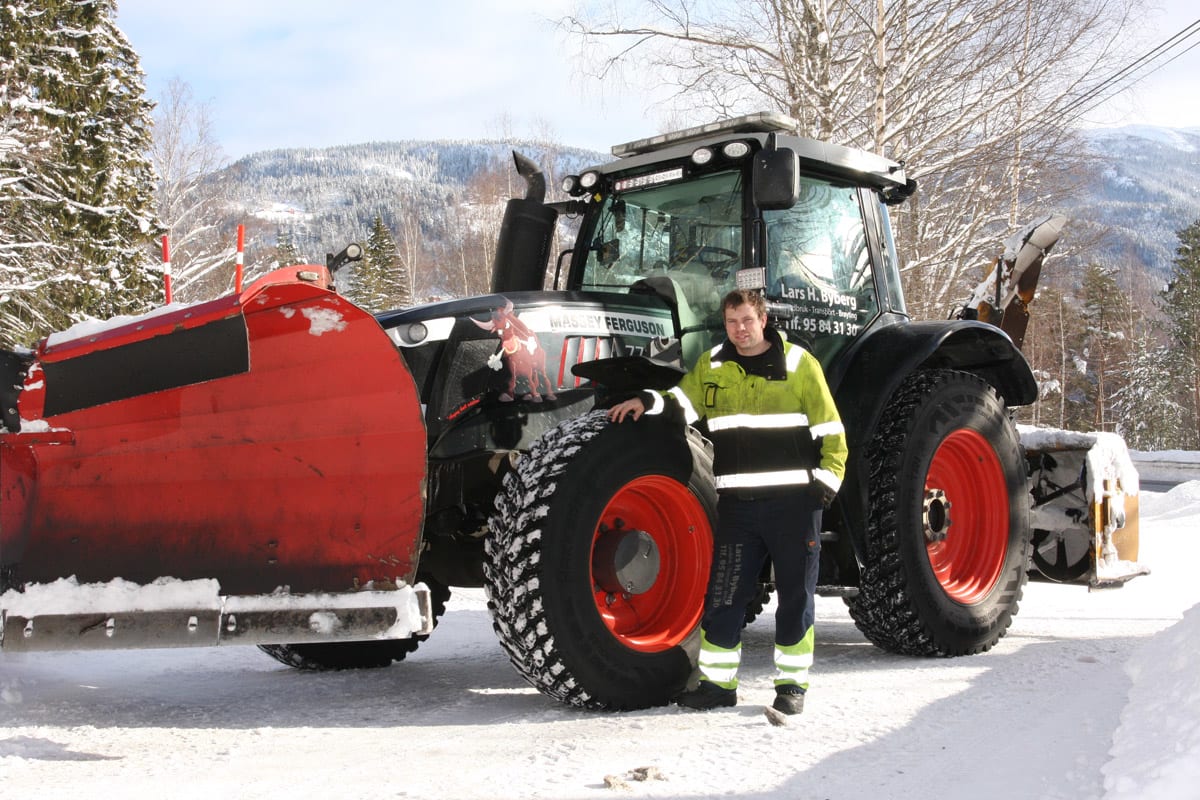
[744,327]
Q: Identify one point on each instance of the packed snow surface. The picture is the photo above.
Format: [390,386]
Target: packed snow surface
[1090,695]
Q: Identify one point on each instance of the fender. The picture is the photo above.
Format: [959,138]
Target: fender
[872,370]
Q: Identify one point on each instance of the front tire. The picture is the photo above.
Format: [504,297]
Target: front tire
[598,560]
[369,654]
[948,540]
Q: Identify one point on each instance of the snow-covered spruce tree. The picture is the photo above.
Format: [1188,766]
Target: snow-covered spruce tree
[74,85]
[380,279]
[1180,303]
[26,254]
[1146,407]
[286,252]
[1106,315]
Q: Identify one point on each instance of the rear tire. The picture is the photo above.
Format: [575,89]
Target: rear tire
[553,582]
[944,580]
[371,654]
[762,596]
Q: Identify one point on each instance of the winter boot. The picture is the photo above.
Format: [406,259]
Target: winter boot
[789,699]
[707,696]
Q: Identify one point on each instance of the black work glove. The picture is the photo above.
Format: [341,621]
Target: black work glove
[824,494]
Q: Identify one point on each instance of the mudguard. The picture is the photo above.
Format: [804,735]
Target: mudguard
[270,440]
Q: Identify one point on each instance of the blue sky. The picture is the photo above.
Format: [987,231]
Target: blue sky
[292,73]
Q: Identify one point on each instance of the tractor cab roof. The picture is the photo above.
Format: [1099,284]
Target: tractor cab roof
[858,166]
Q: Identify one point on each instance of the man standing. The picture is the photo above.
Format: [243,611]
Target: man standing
[779,454]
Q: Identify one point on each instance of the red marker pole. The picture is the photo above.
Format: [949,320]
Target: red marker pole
[241,258]
[167,269]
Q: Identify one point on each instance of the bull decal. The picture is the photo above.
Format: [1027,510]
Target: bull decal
[520,355]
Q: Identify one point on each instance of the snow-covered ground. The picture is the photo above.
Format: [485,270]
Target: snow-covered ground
[1089,696]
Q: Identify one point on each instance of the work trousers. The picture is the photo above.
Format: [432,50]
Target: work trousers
[785,528]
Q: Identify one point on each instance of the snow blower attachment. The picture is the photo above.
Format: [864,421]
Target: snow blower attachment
[247,470]
[1084,486]
[1085,512]
[1004,296]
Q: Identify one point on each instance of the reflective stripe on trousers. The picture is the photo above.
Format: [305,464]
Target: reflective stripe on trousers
[719,665]
[792,661]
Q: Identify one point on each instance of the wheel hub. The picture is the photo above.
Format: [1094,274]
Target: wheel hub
[935,515]
[625,561]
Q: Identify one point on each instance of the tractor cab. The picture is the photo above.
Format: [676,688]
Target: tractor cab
[743,204]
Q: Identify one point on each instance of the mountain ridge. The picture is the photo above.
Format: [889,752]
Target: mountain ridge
[1146,189]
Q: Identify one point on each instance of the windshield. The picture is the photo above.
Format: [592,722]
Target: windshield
[681,239]
[689,228]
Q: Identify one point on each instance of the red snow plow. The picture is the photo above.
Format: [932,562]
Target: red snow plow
[269,443]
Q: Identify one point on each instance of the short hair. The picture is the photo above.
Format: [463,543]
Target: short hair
[749,297]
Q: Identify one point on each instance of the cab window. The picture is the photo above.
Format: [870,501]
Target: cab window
[818,262]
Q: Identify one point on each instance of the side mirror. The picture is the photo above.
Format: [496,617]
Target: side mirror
[776,177]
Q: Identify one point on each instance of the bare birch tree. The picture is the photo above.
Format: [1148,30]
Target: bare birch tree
[974,95]
[187,158]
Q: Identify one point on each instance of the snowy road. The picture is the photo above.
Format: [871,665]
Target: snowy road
[1035,718]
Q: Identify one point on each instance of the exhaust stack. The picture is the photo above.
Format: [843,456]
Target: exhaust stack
[526,234]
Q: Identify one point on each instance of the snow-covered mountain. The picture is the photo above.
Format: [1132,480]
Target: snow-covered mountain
[326,198]
[1147,189]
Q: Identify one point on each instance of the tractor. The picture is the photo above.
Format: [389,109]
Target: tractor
[282,468]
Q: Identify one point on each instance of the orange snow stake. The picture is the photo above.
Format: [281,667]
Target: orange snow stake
[241,241]
[166,253]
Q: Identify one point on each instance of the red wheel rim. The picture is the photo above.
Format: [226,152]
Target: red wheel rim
[666,613]
[969,560]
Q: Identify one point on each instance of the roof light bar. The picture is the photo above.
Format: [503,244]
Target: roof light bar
[759,122]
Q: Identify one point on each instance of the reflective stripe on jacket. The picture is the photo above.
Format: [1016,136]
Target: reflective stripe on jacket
[766,432]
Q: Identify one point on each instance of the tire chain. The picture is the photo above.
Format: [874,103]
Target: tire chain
[882,609]
[512,557]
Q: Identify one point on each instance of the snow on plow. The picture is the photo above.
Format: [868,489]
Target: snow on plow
[263,451]
[1085,507]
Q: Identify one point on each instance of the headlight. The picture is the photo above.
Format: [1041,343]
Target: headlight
[416,333]
[736,150]
[702,156]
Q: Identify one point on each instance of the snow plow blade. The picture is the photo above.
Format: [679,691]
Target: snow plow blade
[270,441]
[193,614]
[1085,507]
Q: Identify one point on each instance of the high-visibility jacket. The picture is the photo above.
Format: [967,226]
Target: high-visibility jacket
[767,432]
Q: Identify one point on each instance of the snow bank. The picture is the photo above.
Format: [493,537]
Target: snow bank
[1155,754]
[1156,750]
